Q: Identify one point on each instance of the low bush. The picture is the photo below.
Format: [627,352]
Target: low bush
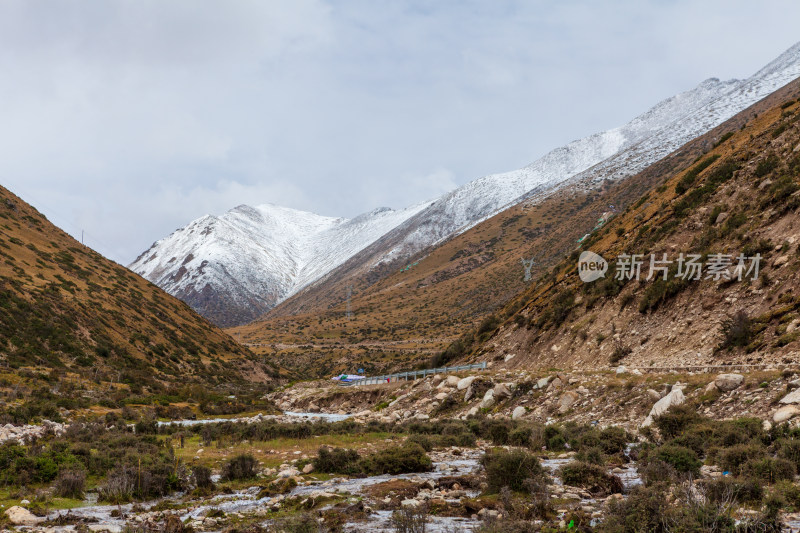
[336,461]
[727,489]
[769,469]
[243,466]
[511,469]
[676,420]
[70,484]
[682,459]
[733,458]
[592,477]
[201,475]
[657,471]
[409,457]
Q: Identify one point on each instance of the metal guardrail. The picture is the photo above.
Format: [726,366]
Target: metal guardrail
[411,374]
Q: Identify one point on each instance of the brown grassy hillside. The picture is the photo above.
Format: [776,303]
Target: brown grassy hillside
[403,317]
[740,197]
[66,311]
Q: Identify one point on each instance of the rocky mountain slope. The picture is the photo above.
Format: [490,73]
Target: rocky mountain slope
[416,312]
[68,311]
[212,283]
[737,202]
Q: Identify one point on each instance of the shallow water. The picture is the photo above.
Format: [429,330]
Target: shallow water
[380,521]
[326,417]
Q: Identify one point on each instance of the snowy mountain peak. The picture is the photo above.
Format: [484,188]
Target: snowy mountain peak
[251,258]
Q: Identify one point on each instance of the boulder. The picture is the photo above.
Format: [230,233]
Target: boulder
[518,412]
[288,472]
[308,468]
[621,369]
[410,504]
[452,381]
[488,399]
[653,395]
[555,384]
[675,397]
[542,383]
[501,391]
[728,382]
[441,396]
[566,401]
[792,397]
[19,516]
[509,357]
[463,384]
[785,413]
[469,394]
[780,261]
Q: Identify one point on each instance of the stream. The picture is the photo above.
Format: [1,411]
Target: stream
[446,463]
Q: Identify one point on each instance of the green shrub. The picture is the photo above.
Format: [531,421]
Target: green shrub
[769,469]
[645,510]
[767,165]
[511,469]
[202,477]
[742,490]
[691,175]
[657,471]
[733,458]
[790,449]
[737,331]
[70,484]
[243,466]
[336,461]
[594,478]
[676,420]
[410,457]
[683,460]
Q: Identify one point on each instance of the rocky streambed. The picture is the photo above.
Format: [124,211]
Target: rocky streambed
[368,503]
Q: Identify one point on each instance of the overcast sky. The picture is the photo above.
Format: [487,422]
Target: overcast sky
[128,119]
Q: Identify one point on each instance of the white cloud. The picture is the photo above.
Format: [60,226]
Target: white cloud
[128,119]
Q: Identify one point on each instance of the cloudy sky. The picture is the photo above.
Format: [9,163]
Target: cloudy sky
[129,118]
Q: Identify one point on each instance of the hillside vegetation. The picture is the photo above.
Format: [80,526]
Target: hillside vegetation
[739,198]
[77,329]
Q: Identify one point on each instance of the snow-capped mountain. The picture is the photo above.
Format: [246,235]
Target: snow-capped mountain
[234,267]
[612,154]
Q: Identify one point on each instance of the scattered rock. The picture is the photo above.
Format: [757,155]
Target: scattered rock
[518,412]
[488,399]
[653,395]
[20,516]
[501,391]
[410,503]
[566,401]
[452,381]
[675,397]
[785,413]
[780,261]
[728,382]
[792,397]
[621,369]
[463,384]
[509,357]
[308,468]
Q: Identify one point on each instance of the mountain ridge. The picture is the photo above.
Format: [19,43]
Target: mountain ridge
[611,154]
